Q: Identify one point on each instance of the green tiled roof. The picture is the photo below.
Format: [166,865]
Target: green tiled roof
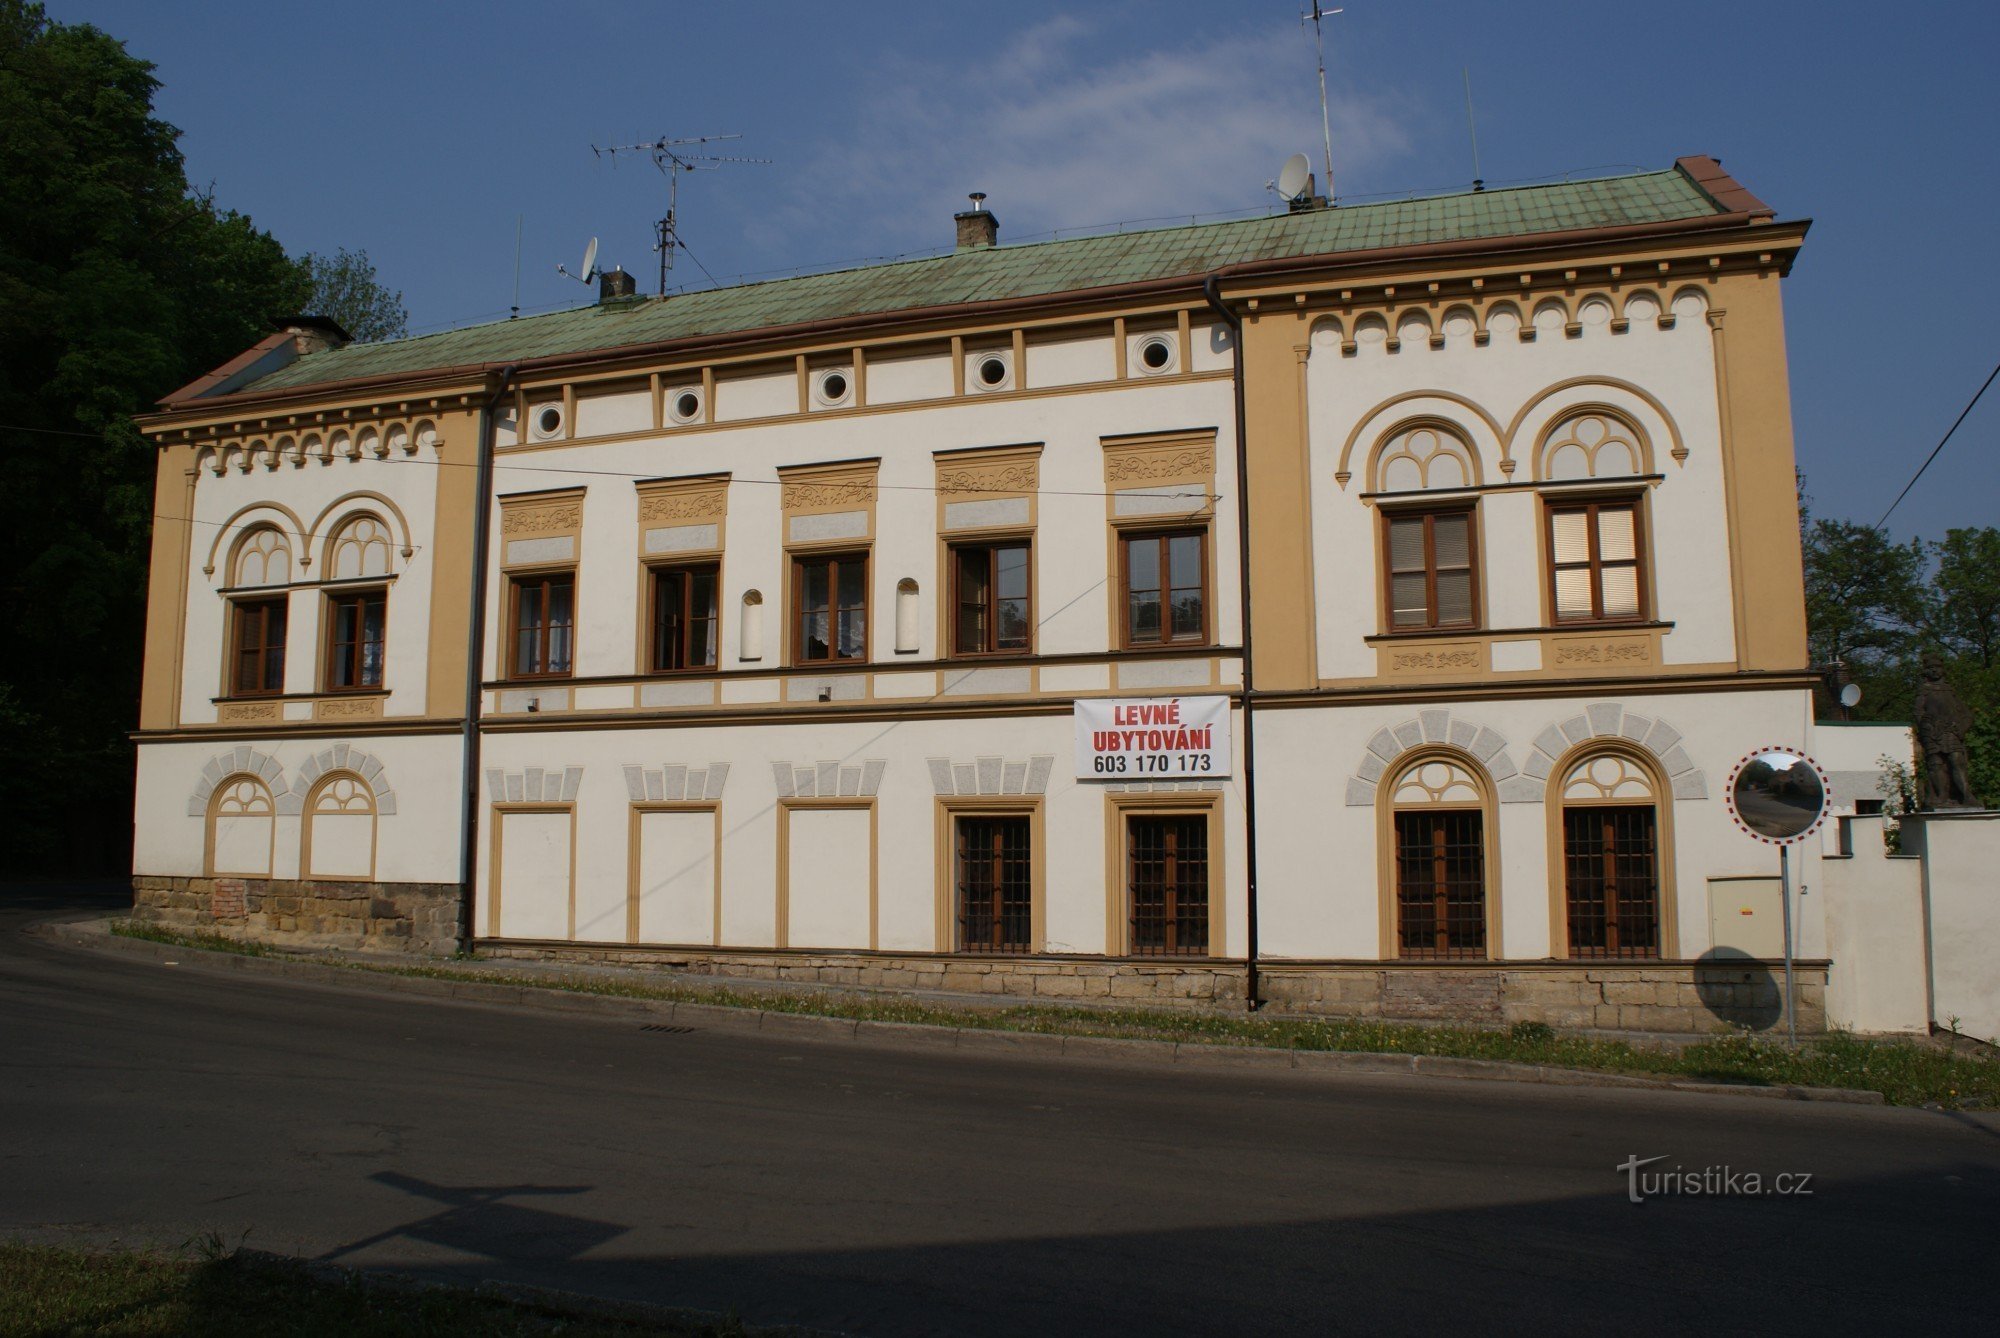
[1026,271]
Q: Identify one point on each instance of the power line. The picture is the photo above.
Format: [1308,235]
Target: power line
[1963,413]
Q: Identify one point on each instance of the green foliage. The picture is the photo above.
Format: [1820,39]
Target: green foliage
[117,285]
[344,287]
[1865,610]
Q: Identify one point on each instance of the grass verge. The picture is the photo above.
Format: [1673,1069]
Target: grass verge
[51,1291]
[1906,1073]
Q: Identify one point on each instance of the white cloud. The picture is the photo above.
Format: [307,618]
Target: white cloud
[1060,135]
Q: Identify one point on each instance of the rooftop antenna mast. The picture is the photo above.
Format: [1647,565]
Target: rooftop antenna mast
[1319,49]
[673,157]
[1472,129]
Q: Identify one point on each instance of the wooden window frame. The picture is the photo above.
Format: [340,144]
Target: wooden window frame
[1161,534]
[1119,809]
[949,810]
[1606,812]
[1429,514]
[328,660]
[238,611]
[988,545]
[832,558]
[655,574]
[1594,565]
[516,582]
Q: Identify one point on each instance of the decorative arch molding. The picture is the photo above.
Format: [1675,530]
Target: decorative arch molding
[829,780]
[1609,726]
[534,785]
[342,506]
[223,533]
[676,783]
[340,757]
[1404,441]
[239,761]
[1640,440]
[1539,411]
[1436,731]
[1412,406]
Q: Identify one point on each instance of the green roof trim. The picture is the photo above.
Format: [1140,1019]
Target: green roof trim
[1021,272]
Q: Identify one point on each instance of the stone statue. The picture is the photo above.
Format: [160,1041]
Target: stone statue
[1943,721]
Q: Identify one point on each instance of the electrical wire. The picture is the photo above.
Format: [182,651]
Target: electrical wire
[1963,413]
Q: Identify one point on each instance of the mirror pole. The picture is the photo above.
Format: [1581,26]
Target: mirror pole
[1785,896]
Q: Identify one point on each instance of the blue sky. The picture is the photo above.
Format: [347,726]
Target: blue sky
[422,132]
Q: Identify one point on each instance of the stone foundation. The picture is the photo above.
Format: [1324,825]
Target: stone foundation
[1679,997]
[382,917]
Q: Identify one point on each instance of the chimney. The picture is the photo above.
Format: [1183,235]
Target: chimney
[976,226]
[615,285]
[313,334]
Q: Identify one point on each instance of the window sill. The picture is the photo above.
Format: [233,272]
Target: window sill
[1504,633]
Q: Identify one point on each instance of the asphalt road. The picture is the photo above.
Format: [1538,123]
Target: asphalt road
[901,1191]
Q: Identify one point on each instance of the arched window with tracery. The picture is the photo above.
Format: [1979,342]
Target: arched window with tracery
[340,828]
[1422,457]
[1592,444]
[1611,857]
[241,818]
[263,557]
[360,547]
[1440,833]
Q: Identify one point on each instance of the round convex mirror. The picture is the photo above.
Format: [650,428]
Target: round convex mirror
[1778,796]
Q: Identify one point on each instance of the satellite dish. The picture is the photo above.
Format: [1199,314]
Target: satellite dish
[590,261]
[1295,177]
[1850,696]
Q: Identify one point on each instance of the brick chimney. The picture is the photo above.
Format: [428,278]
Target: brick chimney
[615,285]
[977,227]
[312,334]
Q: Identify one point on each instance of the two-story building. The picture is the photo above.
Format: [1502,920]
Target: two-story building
[759,630]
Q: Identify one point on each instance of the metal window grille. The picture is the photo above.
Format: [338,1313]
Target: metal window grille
[1167,881]
[1611,869]
[1441,884]
[995,885]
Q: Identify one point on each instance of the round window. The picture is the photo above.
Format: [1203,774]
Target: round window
[687,406]
[833,387]
[1156,355]
[992,371]
[548,420]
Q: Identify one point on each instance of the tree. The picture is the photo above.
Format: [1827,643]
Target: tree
[344,287]
[1967,614]
[1865,609]
[117,284]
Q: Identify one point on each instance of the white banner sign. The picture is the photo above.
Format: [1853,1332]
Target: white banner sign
[1152,738]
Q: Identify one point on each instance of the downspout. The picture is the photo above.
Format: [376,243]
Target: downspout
[1210,289]
[475,656]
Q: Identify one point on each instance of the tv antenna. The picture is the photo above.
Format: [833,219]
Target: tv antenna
[1319,48]
[673,157]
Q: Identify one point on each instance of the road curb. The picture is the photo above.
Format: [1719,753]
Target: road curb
[94,934]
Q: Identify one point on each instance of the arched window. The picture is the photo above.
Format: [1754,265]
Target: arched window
[1593,444]
[1422,457]
[1440,835]
[1611,857]
[263,557]
[340,828]
[240,821]
[359,548]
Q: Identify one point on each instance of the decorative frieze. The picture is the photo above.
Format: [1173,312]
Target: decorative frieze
[829,780]
[676,783]
[991,775]
[534,785]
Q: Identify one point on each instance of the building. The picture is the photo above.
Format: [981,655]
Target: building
[780,601]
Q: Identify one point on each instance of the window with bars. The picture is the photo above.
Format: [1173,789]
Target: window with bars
[257,640]
[544,625]
[1594,564]
[990,598]
[1441,883]
[830,603]
[1167,882]
[1165,577]
[1431,570]
[357,639]
[1611,878]
[995,876]
[684,618]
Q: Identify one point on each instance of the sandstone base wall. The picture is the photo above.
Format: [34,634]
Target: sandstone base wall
[298,913]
